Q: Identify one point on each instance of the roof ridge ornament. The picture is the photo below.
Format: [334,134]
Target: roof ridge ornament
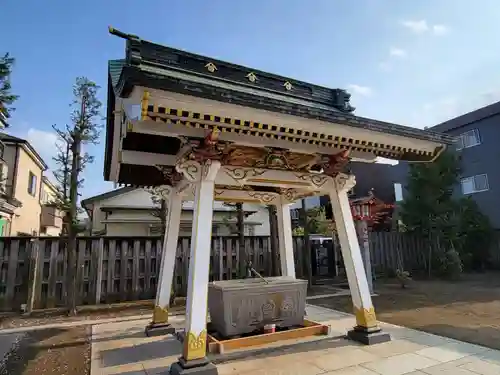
[133,45]
[288,86]
[251,77]
[341,100]
[211,67]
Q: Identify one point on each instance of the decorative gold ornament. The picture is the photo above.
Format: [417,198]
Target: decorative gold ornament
[262,196]
[195,346]
[317,180]
[365,317]
[144,105]
[160,315]
[252,77]
[239,174]
[289,194]
[211,67]
[190,169]
[345,182]
[288,85]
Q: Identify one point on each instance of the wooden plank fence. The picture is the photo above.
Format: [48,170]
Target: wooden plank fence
[112,269]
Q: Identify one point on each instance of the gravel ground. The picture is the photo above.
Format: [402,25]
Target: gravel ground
[467,310]
[50,352]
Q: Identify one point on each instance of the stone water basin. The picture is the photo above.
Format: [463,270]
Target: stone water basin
[237,307]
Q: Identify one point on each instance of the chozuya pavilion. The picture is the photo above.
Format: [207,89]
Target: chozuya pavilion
[193,127]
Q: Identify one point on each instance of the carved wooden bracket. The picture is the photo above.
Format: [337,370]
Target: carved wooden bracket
[334,164]
[345,182]
[195,171]
[172,177]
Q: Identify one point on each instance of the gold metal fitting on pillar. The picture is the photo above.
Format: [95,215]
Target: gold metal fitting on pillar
[160,315]
[366,317]
[195,346]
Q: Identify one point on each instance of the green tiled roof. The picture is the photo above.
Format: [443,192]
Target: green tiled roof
[115,70]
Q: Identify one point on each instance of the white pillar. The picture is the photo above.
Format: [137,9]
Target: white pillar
[362,227]
[363,307]
[285,237]
[167,266]
[195,339]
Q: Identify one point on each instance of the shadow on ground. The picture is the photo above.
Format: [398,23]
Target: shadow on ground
[467,309]
[171,347]
[485,336]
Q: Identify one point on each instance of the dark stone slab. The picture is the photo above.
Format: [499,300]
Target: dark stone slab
[198,367]
[368,337]
[153,330]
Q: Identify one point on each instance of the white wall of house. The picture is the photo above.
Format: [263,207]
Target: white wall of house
[129,222]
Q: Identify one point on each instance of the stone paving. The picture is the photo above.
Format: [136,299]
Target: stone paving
[122,348]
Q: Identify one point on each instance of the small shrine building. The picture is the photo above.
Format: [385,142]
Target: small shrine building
[196,128]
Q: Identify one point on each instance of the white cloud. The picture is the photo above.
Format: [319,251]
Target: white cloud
[418,27]
[360,90]
[44,142]
[397,52]
[440,29]
[421,27]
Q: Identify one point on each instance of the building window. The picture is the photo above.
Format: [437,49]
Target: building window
[32,184]
[474,184]
[398,192]
[468,139]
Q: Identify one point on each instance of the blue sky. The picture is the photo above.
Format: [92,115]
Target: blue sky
[412,62]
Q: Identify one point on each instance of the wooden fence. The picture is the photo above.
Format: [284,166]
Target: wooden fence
[112,269]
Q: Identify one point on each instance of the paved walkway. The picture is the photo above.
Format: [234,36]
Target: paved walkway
[122,348]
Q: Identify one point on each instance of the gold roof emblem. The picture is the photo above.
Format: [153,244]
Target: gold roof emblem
[211,67]
[288,85]
[251,77]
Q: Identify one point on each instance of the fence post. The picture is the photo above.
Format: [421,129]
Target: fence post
[34,262]
[98,282]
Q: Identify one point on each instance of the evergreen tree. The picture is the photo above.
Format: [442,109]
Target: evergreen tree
[455,227]
[430,211]
[6,96]
[428,206]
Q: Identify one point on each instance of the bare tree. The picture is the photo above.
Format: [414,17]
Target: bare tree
[160,210]
[239,229]
[62,174]
[84,129]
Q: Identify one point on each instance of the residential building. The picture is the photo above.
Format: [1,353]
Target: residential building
[477,135]
[130,211]
[51,220]
[22,171]
[8,203]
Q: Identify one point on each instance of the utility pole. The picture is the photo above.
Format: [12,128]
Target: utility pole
[307,267]
[241,241]
[273,231]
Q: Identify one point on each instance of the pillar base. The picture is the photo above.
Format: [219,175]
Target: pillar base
[195,367]
[368,336]
[159,329]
